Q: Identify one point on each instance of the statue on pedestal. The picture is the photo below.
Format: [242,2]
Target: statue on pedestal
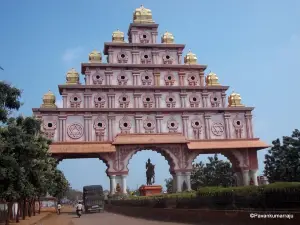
[150,174]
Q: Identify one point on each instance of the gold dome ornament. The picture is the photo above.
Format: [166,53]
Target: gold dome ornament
[118,36]
[49,100]
[190,58]
[95,56]
[167,38]
[142,15]
[212,79]
[235,100]
[72,77]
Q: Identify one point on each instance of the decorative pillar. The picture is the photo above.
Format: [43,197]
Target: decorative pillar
[111,100]
[249,130]
[183,99]
[181,78]
[138,119]
[110,56]
[154,57]
[201,75]
[135,75]
[65,100]
[62,127]
[178,182]
[174,183]
[87,100]
[156,78]
[111,126]
[112,184]
[188,180]
[204,99]
[253,177]
[245,174]
[154,35]
[239,178]
[157,97]
[87,74]
[227,126]
[223,95]
[207,126]
[108,75]
[135,57]
[124,185]
[158,118]
[86,128]
[179,54]
[185,119]
[137,97]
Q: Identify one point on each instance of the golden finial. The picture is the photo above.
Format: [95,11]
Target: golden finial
[190,58]
[235,100]
[49,100]
[72,77]
[142,15]
[212,79]
[95,56]
[167,38]
[118,36]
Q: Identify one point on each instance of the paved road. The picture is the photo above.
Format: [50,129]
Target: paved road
[99,218]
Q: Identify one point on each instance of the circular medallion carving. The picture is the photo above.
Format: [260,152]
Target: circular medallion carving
[217,128]
[75,131]
[97,78]
[237,123]
[196,124]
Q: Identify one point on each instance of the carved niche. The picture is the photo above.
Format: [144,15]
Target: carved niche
[193,79]
[146,58]
[170,101]
[122,57]
[122,78]
[194,100]
[217,128]
[75,101]
[98,78]
[125,125]
[215,100]
[169,79]
[100,127]
[148,101]
[49,128]
[172,125]
[147,78]
[238,127]
[75,130]
[99,101]
[149,125]
[167,58]
[197,128]
[144,37]
[124,100]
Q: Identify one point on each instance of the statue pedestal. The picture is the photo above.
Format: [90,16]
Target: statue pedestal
[150,190]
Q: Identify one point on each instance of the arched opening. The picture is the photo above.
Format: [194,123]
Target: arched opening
[84,171]
[137,168]
[213,170]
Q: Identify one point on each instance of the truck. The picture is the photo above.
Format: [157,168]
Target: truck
[93,198]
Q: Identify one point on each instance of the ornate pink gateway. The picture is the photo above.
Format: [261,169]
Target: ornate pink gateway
[145,97]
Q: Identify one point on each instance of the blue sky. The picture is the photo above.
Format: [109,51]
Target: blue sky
[253,46]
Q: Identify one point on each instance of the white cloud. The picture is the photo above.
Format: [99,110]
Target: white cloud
[59,103]
[72,54]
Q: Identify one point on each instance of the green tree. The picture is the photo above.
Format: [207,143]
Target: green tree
[9,100]
[282,163]
[169,185]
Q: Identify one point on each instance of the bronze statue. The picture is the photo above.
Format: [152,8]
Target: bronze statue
[150,174]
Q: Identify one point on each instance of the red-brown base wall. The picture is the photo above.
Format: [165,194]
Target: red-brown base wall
[193,216]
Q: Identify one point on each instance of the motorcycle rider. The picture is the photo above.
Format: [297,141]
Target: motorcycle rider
[79,207]
[58,208]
